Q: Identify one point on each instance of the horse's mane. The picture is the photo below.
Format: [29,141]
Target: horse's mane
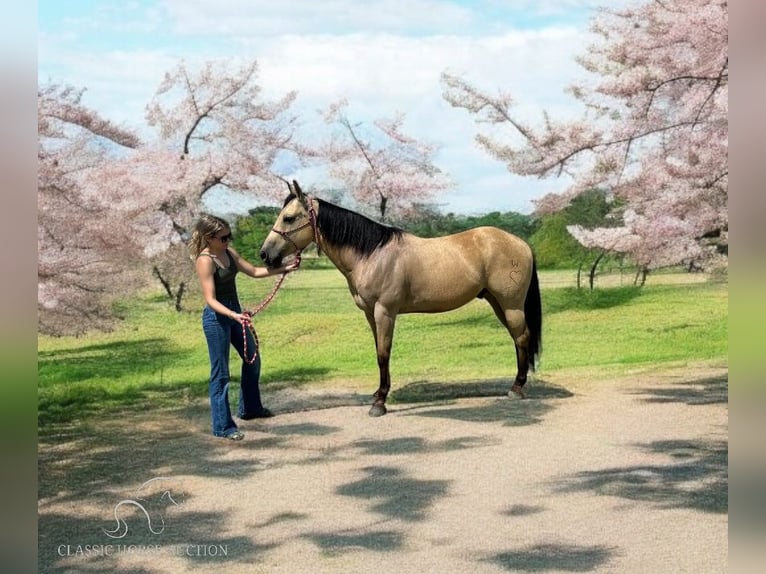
[345,228]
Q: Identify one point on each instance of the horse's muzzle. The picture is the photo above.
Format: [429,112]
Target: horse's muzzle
[271,261]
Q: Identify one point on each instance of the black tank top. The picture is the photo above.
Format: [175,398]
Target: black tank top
[224,279]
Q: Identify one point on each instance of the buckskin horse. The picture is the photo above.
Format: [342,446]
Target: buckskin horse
[390,272]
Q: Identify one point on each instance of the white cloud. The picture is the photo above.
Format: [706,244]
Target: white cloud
[119,83]
[243,17]
[264,18]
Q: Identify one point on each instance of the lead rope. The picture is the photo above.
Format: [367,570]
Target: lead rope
[248,321]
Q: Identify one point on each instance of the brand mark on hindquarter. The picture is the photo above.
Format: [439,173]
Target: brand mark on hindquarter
[514,271]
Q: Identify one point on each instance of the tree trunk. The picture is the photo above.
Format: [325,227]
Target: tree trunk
[579,275]
[165,283]
[593,269]
[176,297]
[641,274]
[179,296]
[383,202]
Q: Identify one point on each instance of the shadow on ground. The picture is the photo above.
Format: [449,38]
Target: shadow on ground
[86,469]
[511,412]
[695,477]
[427,391]
[87,466]
[394,494]
[417,445]
[121,356]
[507,411]
[419,397]
[337,543]
[713,390]
[557,557]
[572,298]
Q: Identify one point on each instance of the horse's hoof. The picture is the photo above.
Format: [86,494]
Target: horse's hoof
[516,392]
[377,410]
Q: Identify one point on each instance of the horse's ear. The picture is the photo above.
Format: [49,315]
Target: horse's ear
[289,187]
[297,191]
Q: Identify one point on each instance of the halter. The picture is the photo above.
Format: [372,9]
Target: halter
[312,222]
[248,321]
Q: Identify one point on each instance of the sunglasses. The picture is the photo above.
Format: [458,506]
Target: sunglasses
[225,238]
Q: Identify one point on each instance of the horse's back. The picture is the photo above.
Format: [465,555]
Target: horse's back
[486,245]
[501,240]
[442,273]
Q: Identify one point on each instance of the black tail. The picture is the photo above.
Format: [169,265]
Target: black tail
[533,313]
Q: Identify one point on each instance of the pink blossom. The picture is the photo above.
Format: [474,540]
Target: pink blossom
[654,134]
[384,170]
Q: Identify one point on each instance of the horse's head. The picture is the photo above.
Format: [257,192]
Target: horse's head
[293,230]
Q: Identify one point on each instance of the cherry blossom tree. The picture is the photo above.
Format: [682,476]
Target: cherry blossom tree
[86,251]
[215,131]
[380,165]
[654,131]
[112,205]
[218,121]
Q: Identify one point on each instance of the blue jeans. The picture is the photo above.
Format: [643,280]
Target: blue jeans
[221,332]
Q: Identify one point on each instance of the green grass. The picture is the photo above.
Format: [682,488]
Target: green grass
[629,326]
[313,334]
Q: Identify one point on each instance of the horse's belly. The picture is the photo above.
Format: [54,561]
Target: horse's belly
[433,306]
[439,296]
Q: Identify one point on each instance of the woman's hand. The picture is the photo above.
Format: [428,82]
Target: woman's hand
[292,266]
[241,318]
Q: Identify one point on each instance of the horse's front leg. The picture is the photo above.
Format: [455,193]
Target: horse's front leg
[383,329]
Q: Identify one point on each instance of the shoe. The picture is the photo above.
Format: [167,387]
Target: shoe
[262,414]
[236,435]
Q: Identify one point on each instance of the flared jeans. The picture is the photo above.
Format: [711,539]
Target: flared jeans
[221,333]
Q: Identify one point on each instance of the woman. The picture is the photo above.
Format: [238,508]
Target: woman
[217,264]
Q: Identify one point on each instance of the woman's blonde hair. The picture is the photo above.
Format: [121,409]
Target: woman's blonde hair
[207,225]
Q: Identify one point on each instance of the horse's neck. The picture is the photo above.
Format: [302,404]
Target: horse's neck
[344,258]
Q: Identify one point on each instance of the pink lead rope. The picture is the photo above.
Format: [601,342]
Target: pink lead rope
[245,324]
[248,322]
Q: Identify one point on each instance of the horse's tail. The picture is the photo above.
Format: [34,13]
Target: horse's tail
[533,314]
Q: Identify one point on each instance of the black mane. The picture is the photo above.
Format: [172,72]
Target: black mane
[344,228]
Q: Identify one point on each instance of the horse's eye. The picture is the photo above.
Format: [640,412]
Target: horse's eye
[288,218]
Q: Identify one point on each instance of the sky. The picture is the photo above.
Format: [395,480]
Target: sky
[384,56]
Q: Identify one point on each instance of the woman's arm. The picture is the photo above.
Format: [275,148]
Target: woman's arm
[258,272]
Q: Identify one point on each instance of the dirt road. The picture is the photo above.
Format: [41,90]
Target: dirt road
[625,476]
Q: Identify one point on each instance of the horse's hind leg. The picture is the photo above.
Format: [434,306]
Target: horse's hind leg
[513,320]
